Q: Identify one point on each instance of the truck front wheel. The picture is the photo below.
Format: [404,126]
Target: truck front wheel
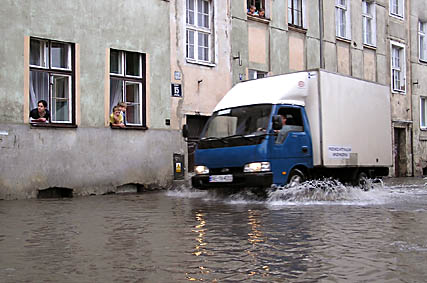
[296,177]
[362,181]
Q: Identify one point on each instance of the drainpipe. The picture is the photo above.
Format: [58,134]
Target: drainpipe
[322,63]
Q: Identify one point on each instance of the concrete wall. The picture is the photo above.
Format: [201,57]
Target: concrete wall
[91,157]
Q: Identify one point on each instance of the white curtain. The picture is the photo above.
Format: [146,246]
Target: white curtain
[116,90]
[39,88]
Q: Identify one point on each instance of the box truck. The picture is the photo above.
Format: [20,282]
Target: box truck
[296,126]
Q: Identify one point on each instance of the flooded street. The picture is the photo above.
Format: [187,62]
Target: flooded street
[323,232]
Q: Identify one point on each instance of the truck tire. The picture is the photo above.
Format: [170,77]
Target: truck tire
[296,177]
[362,181]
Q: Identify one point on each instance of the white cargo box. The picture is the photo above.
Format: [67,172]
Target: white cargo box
[350,121]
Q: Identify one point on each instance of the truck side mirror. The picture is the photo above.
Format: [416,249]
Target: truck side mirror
[185,131]
[277,122]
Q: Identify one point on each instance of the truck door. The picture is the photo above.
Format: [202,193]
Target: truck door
[291,145]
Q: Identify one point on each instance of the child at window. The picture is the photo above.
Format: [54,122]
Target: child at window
[252,11]
[116,118]
[122,106]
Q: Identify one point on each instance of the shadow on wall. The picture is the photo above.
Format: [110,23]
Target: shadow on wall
[55,192]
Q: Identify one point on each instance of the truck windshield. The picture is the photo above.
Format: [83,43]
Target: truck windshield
[246,123]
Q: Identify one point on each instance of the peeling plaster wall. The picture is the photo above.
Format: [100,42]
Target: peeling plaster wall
[91,158]
[418,12]
[202,85]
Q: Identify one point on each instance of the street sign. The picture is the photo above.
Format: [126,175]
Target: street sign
[176,90]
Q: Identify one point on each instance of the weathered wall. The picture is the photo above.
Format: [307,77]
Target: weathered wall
[203,85]
[92,155]
[418,12]
[88,160]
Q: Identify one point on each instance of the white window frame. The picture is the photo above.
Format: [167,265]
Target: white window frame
[422,39]
[130,79]
[369,23]
[46,66]
[423,113]
[342,7]
[193,26]
[398,67]
[292,9]
[397,8]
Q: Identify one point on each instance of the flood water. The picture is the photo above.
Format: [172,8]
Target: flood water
[322,232]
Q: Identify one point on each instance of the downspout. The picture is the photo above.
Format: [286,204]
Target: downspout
[322,63]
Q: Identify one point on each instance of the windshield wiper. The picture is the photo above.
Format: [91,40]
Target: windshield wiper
[214,139]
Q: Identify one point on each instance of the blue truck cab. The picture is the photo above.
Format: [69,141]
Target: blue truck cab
[240,147]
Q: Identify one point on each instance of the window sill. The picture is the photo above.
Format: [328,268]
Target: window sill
[139,128]
[258,19]
[343,39]
[422,61]
[396,16]
[401,92]
[297,28]
[206,64]
[368,46]
[52,125]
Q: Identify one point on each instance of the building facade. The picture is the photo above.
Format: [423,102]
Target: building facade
[83,58]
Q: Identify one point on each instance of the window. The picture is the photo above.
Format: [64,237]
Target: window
[127,84]
[422,30]
[398,69]
[199,35]
[254,74]
[52,78]
[396,8]
[369,22]
[260,8]
[342,18]
[295,13]
[423,113]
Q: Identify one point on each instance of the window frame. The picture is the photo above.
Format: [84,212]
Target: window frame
[193,26]
[291,11]
[401,68]
[54,72]
[423,113]
[400,12]
[129,79]
[256,74]
[345,11]
[369,15]
[422,41]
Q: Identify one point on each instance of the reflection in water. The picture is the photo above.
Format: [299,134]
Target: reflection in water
[200,247]
[346,236]
[256,238]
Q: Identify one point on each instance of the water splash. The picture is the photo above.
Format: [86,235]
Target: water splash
[185,191]
[326,191]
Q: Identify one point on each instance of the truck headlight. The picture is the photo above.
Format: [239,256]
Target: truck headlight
[200,169]
[257,167]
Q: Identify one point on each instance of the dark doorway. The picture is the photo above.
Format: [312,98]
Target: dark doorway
[55,192]
[400,160]
[195,125]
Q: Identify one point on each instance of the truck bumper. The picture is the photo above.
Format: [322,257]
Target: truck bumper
[264,179]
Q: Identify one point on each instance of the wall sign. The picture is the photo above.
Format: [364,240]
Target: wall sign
[176,90]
